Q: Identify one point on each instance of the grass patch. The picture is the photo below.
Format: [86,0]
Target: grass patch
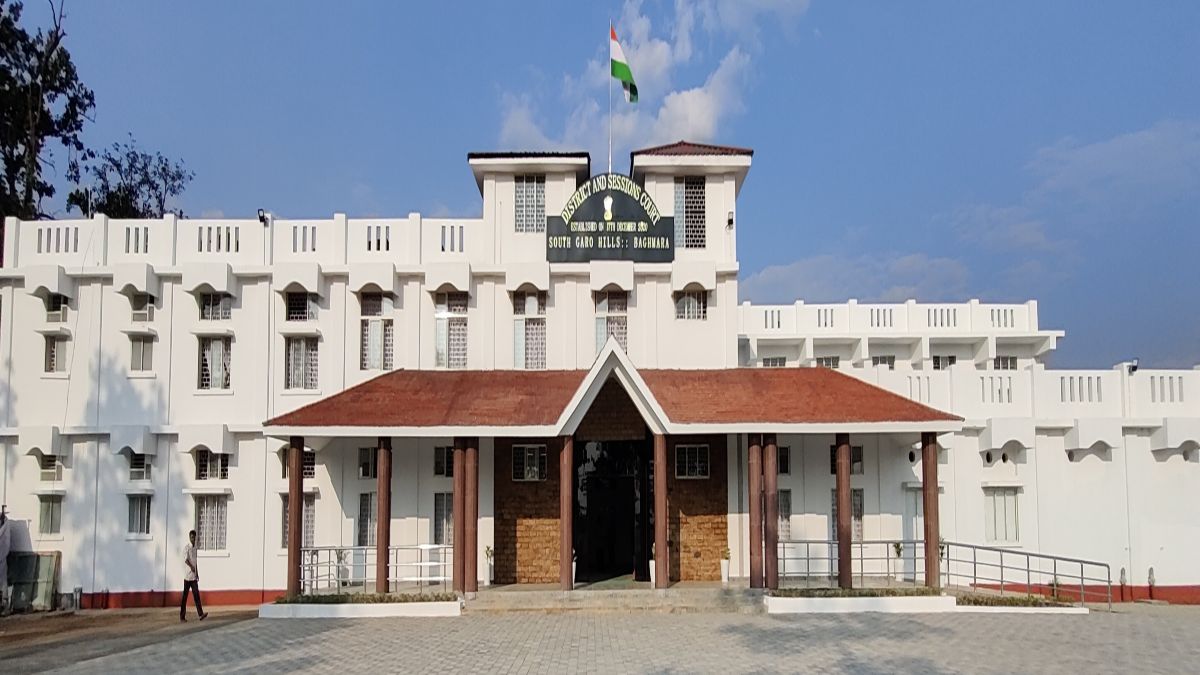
[898,592]
[984,600]
[365,598]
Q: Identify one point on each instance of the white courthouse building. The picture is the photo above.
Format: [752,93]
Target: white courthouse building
[462,401]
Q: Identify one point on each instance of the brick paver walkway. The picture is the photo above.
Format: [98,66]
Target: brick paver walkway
[1135,640]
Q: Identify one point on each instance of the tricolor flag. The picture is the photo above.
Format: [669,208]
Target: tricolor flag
[620,67]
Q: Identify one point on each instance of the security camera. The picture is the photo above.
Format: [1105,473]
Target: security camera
[262,217]
[1133,366]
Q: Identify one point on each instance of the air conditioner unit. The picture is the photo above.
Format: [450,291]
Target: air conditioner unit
[146,314]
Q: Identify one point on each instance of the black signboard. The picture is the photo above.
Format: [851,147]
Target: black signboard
[610,217]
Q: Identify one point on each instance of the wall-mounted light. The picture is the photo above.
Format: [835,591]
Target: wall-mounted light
[1133,366]
[729,221]
[262,217]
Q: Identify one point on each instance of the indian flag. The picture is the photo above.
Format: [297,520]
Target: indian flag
[620,67]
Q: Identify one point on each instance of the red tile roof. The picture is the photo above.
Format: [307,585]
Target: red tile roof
[690,148]
[432,398]
[779,395]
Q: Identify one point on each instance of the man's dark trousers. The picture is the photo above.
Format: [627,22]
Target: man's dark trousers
[195,586]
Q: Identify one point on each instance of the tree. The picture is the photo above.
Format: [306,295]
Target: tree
[129,183]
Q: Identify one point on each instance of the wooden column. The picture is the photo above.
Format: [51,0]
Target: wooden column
[662,553]
[929,495]
[459,511]
[295,462]
[383,515]
[756,504]
[566,512]
[844,513]
[771,512]
[471,517]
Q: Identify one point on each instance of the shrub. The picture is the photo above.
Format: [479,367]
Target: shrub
[982,600]
[896,592]
[365,598]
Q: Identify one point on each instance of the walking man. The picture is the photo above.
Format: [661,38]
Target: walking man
[191,579]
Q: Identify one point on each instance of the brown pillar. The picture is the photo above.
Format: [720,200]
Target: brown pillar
[459,508]
[471,517]
[383,515]
[662,554]
[929,495]
[844,513]
[295,461]
[771,512]
[756,518]
[566,513]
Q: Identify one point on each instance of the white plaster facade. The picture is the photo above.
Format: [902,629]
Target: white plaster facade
[1104,463]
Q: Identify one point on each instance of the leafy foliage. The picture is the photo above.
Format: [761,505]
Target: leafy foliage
[130,183]
[885,592]
[365,598]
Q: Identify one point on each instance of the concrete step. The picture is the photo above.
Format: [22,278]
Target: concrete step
[667,601]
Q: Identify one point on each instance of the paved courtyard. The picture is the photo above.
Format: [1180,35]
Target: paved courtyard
[1139,639]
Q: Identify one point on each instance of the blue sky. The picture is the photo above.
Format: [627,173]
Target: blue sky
[935,150]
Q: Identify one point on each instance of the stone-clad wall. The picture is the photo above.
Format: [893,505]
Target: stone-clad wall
[699,523]
[612,417]
[527,532]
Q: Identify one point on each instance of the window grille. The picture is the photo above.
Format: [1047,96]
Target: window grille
[443,518]
[451,329]
[691,461]
[139,514]
[528,462]
[216,355]
[139,466]
[50,514]
[944,362]
[856,515]
[691,305]
[785,514]
[142,359]
[529,203]
[302,363]
[784,459]
[216,306]
[141,307]
[308,463]
[51,467]
[301,307]
[612,317]
[368,467]
[689,212]
[774,362]
[211,465]
[56,308]
[56,354]
[368,509]
[1006,363]
[211,521]
[375,334]
[529,330]
[1001,515]
[889,361]
[827,361]
[308,521]
[443,461]
[856,460]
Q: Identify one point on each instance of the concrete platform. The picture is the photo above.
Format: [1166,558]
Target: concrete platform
[679,599]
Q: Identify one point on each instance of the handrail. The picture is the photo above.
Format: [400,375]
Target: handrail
[335,568]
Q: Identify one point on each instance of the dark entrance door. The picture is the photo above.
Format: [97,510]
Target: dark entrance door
[612,530]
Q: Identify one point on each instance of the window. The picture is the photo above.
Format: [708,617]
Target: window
[689,212]
[308,521]
[443,518]
[215,357]
[889,361]
[301,307]
[368,508]
[774,362]
[56,354]
[612,318]
[856,460]
[944,362]
[215,306]
[308,463]
[211,518]
[51,468]
[368,466]
[451,326]
[50,514]
[139,466]
[529,330]
[1006,363]
[691,461]
[691,305]
[142,359]
[784,455]
[827,361]
[301,369]
[141,306]
[139,514]
[856,515]
[528,462]
[375,332]
[1000,515]
[529,203]
[785,514]
[211,465]
[443,462]
[56,308]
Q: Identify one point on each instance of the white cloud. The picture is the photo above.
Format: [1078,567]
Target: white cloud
[1003,227]
[212,214]
[834,278]
[696,114]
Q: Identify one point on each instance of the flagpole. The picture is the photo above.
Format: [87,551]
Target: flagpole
[610,108]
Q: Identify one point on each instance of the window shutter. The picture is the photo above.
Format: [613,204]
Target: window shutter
[601,332]
[375,344]
[518,343]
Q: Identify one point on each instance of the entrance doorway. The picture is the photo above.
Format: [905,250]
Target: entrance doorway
[613,526]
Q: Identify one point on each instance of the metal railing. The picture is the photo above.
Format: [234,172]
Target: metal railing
[346,569]
[1006,571]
